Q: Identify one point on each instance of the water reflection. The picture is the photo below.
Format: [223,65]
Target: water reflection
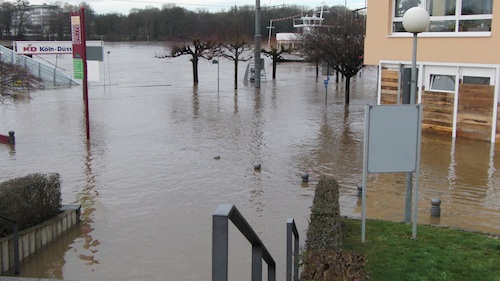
[87,200]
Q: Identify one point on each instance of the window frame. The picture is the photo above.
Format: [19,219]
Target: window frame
[457,19]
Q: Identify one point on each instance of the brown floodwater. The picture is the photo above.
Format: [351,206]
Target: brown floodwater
[148,182]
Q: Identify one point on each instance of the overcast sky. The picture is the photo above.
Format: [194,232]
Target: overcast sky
[124,6]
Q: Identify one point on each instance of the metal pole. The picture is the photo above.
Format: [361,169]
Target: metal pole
[413,90]
[413,93]
[220,252]
[256,263]
[218,63]
[85,76]
[16,248]
[289,253]
[257,44]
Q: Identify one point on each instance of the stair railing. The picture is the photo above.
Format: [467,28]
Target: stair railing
[220,241]
[292,255]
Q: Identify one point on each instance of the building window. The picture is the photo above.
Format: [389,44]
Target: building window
[442,83]
[476,80]
[448,15]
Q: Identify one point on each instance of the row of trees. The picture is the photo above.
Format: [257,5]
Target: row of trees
[339,43]
[168,23]
[203,35]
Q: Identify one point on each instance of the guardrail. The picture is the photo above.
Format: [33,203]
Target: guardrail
[50,75]
[15,236]
[292,256]
[220,239]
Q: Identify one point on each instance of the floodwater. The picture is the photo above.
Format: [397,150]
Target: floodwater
[148,182]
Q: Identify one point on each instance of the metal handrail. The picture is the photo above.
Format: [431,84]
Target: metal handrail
[15,235]
[292,256]
[220,241]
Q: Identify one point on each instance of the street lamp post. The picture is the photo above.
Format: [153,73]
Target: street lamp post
[415,20]
[216,61]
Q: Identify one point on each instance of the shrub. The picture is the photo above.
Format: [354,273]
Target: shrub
[323,259]
[29,200]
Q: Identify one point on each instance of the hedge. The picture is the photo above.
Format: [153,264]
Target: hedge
[29,200]
[323,259]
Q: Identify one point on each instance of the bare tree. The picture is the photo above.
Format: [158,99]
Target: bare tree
[236,49]
[339,43]
[21,16]
[276,55]
[199,49]
[6,14]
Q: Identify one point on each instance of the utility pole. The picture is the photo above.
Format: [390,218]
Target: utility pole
[257,66]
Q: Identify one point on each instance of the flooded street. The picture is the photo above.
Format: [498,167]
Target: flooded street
[148,182]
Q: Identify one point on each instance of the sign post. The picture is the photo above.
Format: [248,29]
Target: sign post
[80,58]
[326,80]
[392,145]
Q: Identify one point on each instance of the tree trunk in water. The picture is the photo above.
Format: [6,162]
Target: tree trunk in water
[235,74]
[195,71]
[275,59]
[317,69]
[347,89]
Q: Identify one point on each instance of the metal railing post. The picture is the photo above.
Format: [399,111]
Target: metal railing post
[220,245]
[220,242]
[256,263]
[292,259]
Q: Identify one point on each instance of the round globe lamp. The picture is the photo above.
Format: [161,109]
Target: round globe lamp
[416,20]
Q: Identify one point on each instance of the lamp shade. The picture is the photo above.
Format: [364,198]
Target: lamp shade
[416,20]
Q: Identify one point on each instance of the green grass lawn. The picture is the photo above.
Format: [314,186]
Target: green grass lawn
[437,253]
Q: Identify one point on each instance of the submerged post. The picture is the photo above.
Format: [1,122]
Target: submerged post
[12,138]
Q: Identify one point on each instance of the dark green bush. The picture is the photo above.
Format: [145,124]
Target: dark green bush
[29,200]
[324,260]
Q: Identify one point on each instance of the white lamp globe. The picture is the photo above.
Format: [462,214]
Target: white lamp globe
[416,20]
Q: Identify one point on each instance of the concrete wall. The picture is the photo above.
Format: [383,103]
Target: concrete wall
[35,238]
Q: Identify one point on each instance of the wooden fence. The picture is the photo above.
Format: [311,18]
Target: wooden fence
[475,108]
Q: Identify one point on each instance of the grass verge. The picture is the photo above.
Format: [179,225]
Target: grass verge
[437,253]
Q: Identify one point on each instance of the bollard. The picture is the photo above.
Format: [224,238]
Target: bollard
[305,177]
[256,166]
[436,208]
[360,190]
[12,138]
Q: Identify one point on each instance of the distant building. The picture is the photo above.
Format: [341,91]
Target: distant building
[36,21]
[289,41]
